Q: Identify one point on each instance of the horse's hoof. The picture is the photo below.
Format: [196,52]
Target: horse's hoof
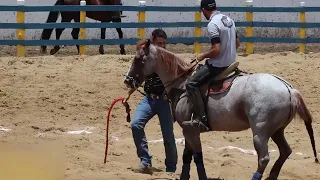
[272,177]
[101,51]
[52,51]
[184,177]
[123,52]
[43,50]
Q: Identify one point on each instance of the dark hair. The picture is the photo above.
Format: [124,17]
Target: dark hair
[209,5]
[159,33]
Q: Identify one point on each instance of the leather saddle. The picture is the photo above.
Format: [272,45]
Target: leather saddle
[222,82]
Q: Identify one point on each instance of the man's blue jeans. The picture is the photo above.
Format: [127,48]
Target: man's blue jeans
[146,109]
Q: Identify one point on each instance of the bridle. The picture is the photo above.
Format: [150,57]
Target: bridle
[135,84]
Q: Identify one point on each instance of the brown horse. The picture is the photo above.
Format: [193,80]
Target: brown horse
[103,16]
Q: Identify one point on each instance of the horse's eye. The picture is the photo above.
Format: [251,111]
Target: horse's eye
[144,59]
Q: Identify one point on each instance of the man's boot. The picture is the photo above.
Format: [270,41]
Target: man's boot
[198,118]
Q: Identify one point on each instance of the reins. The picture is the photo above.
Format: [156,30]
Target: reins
[182,74]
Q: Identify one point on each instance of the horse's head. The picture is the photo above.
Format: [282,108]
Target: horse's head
[144,63]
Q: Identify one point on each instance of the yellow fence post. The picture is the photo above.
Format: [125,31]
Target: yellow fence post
[141,19]
[20,32]
[302,30]
[197,32]
[249,29]
[82,30]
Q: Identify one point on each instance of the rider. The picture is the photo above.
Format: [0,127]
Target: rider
[224,43]
[154,104]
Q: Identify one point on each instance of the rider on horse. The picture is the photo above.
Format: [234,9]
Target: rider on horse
[224,43]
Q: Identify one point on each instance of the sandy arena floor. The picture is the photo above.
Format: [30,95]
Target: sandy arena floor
[44,97]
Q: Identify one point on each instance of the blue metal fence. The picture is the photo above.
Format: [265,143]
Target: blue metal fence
[187,40]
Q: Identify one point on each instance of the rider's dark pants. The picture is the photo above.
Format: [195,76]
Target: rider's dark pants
[202,75]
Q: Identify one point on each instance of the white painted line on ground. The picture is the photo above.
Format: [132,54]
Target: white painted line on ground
[301,154]
[179,141]
[79,132]
[4,129]
[115,138]
[75,132]
[245,151]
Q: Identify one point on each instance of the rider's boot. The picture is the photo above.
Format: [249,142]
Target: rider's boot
[198,118]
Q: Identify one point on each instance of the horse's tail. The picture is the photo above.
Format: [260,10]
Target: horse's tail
[53,17]
[300,107]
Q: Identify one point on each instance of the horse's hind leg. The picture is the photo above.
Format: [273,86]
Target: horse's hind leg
[75,32]
[103,36]
[261,146]
[284,150]
[120,34]
[186,158]
[192,136]
[75,35]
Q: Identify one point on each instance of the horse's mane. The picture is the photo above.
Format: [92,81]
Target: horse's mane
[140,44]
[175,64]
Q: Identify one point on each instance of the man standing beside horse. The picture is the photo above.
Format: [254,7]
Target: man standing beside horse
[154,103]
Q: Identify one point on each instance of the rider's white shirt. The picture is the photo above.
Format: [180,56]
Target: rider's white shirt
[222,26]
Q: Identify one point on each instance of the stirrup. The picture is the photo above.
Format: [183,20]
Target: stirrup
[195,123]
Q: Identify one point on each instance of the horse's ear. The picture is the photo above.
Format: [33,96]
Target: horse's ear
[148,42]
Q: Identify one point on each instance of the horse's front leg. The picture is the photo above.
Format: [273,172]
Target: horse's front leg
[75,35]
[192,136]
[59,31]
[120,34]
[186,158]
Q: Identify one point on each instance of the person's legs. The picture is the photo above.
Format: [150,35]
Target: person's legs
[142,115]
[166,123]
[193,89]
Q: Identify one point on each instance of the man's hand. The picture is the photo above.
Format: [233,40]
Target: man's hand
[131,90]
[200,57]
[126,99]
[237,43]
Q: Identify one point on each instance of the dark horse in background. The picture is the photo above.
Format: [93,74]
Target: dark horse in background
[103,16]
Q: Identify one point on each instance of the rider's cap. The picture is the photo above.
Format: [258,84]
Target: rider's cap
[208,4]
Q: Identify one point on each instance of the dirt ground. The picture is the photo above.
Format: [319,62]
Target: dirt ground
[44,98]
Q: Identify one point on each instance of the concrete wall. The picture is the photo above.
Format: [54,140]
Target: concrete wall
[40,17]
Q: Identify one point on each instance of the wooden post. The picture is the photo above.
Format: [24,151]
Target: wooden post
[197,33]
[249,29]
[302,30]
[21,52]
[141,19]
[82,30]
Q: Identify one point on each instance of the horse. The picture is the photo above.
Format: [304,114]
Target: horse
[103,16]
[235,101]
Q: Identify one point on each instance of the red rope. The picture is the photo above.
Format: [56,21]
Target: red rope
[107,129]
